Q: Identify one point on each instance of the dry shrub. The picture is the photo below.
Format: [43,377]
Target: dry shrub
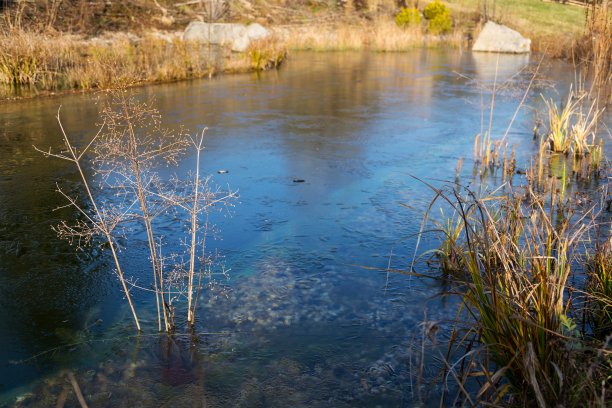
[84,16]
[127,193]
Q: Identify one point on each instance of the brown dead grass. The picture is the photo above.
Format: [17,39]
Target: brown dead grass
[48,63]
[380,35]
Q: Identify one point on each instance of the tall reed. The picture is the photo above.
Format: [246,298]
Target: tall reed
[599,60]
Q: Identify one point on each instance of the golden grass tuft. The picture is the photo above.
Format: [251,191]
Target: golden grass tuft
[570,128]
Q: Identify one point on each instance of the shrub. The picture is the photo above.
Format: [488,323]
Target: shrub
[440,24]
[440,21]
[408,17]
[435,9]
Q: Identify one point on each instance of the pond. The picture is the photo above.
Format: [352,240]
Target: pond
[329,155]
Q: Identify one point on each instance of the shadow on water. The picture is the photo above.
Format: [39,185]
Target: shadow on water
[301,324]
[47,293]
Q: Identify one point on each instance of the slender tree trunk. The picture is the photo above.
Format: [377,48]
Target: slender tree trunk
[194,227]
[157,273]
[101,223]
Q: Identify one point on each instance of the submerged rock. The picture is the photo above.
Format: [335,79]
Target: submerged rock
[238,36]
[499,38]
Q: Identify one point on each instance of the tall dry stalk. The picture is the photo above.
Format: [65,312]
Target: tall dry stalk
[194,229]
[133,144]
[102,221]
[195,197]
[599,29]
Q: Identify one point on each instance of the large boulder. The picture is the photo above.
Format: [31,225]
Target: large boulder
[499,38]
[238,36]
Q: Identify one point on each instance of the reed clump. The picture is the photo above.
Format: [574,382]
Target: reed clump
[266,54]
[516,257]
[570,127]
[532,262]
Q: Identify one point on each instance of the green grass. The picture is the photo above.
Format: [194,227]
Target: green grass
[531,17]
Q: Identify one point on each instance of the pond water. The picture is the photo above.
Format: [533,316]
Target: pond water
[310,316]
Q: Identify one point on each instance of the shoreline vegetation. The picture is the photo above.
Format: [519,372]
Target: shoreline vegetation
[49,47]
[529,254]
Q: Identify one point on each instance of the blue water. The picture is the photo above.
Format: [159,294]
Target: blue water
[310,316]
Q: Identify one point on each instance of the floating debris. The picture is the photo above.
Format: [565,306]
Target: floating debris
[222,171]
[298,180]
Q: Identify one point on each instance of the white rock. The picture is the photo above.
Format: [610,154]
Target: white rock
[257,31]
[499,38]
[238,36]
[240,44]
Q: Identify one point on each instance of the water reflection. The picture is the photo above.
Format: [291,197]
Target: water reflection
[492,67]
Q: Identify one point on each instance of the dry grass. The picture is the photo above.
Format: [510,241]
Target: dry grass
[381,35]
[54,63]
[600,56]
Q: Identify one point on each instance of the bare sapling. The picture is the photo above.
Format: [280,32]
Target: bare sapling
[101,222]
[196,198]
[125,156]
[132,145]
[203,199]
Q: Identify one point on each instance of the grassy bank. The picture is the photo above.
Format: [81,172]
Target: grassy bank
[51,46]
[534,18]
[43,63]
[553,27]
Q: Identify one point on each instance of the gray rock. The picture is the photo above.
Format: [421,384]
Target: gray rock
[499,38]
[238,36]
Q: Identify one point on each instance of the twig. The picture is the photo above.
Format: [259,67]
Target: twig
[77,390]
